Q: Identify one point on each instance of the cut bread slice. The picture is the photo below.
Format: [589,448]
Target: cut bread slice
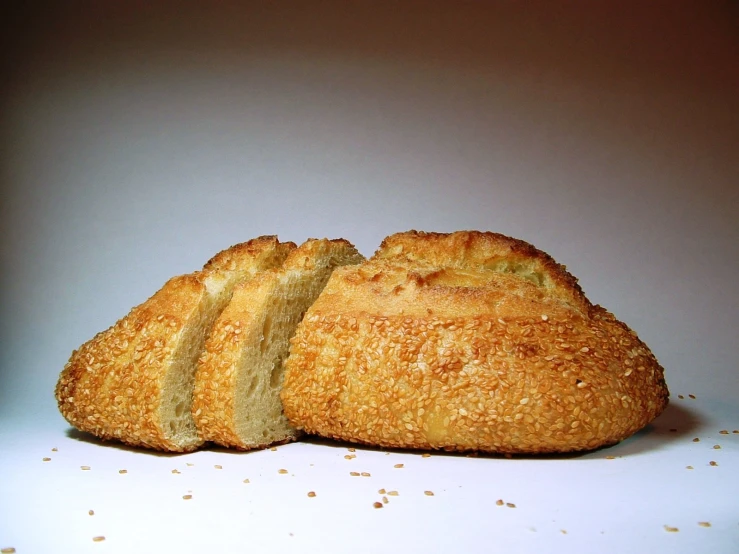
[133,382]
[236,400]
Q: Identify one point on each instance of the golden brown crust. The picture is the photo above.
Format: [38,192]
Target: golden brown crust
[467,341]
[113,385]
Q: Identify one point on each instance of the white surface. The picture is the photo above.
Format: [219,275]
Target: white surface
[135,143]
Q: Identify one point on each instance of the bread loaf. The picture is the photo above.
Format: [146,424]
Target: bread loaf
[467,341]
[134,381]
[239,377]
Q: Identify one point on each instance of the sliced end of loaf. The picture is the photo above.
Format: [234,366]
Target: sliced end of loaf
[237,392]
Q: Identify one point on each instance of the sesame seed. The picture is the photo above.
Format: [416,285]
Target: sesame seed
[91,512]
[350,456]
[688,467]
[544,317]
[393,493]
[55,449]
[187,496]
[510,504]
[717,447]
[282,471]
[8,550]
[736,431]
[354,473]
[610,457]
[696,439]
[99,538]
[85,468]
[365,474]
[377,504]
[247,481]
[671,529]
[381,491]
[428,493]
[311,494]
[712,463]
[122,471]
[499,502]
[46,460]
[691,396]
[273,449]
[398,466]
[352,449]
[385,500]
[704,523]
[425,455]
[217,466]
[681,397]
[724,432]
[176,471]
[188,464]
[563,531]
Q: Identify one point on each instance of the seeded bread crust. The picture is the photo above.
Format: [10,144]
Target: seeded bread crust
[120,384]
[232,389]
[467,341]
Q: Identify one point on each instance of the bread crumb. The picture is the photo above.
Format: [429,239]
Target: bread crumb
[377,504]
[311,494]
[704,523]
[499,502]
[99,538]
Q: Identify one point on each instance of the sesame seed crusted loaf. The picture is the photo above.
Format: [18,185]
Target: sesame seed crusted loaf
[134,381]
[236,398]
[467,341]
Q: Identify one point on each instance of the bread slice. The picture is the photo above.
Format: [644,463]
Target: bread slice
[467,341]
[133,382]
[236,398]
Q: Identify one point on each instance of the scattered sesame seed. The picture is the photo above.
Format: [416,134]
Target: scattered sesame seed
[99,538]
[377,504]
[696,439]
[46,460]
[91,512]
[55,449]
[610,457]
[704,523]
[691,396]
[544,317]
[365,474]
[425,455]
[187,496]
[510,504]
[713,463]
[385,500]
[681,397]
[8,550]
[350,456]
[354,473]
[273,449]
[688,467]
[724,432]
[393,493]
[717,447]
[188,464]
[85,468]
[381,491]
[247,481]
[671,529]
[398,466]
[122,471]
[176,471]
[736,431]
[311,494]
[428,493]
[282,471]
[352,449]
[217,466]
[563,531]
[499,502]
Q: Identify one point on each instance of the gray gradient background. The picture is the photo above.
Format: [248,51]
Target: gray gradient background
[136,142]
